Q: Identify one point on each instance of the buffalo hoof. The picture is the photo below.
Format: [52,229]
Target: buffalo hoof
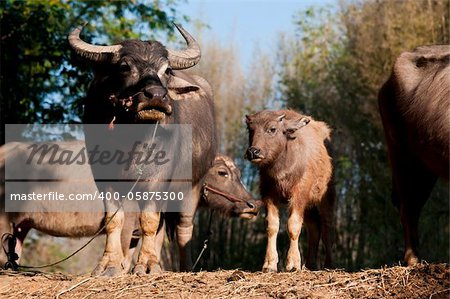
[111,272]
[411,258]
[97,271]
[155,269]
[139,270]
[293,266]
[292,269]
[269,270]
[411,261]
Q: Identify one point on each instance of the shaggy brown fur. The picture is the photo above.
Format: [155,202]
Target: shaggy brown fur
[295,168]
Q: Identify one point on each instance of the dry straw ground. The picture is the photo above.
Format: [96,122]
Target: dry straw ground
[421,281]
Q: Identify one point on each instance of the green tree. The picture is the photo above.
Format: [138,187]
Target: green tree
[39,80]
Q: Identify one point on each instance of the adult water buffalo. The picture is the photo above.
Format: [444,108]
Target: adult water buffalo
[137,82]
[295,169]
[232,199]
[415,110]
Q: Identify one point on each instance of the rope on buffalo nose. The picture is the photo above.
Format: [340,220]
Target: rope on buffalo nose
[206,242]
[12,239]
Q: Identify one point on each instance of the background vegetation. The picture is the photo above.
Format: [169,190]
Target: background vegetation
[331,67]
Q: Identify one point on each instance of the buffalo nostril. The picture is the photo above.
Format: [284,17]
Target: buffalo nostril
[155,93]
[250,205]
[253,153]
[148,94]
[160,95]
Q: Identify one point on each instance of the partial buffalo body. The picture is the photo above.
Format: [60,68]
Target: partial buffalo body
[295,169]
[415,109]
[70,224]
[137,82]
[233,200]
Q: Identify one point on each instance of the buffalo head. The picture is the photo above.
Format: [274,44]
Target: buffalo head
[269,133]
[135,80]
[223,190]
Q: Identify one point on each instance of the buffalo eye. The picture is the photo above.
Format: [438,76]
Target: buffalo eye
[223,173]
[272,130]
[124,67]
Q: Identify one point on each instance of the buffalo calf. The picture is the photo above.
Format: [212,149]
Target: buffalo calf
[295,169]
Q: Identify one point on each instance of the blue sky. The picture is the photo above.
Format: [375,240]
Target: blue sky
[249,23]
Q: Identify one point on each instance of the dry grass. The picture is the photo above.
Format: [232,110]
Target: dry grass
[421,281]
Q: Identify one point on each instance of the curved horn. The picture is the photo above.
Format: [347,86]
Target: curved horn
[93,52]
[185,58]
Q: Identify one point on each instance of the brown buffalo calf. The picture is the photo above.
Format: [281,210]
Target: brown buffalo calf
[415,109]
[295,169]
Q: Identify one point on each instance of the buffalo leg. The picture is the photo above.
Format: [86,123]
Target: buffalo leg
[327,226]
[128,245]
[148,257]
[111,261]
[410,206]
[159,241]
[313,231]
[184,231]
[412,186]
[294,227]
[20,232]
[273,225]
[127,232]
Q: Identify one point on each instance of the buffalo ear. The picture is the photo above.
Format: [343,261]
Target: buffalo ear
[293,125]
[179,86]
[247,119]
[182,86]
